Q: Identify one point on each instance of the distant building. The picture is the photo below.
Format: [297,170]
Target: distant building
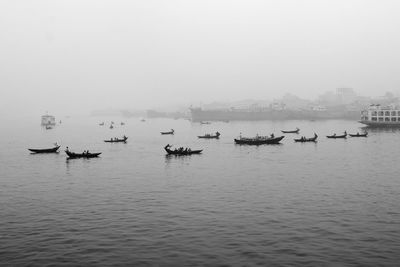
[278,106]
[346,95]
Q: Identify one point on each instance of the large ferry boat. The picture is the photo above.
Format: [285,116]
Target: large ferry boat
[377,115]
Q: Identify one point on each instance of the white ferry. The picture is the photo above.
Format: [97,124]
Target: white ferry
[48,120]
[377,115]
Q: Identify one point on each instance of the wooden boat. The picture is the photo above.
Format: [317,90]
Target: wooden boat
[303,139]
[45,150]
[117,140]
[48,127]
[292,131]
[359,135]
[181,152]
[122,123]
[334,136]
[170,132]
[101,124]
[259,140]
[111,126]
[73,155]
[210,136]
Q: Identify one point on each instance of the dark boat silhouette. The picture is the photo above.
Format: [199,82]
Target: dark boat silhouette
[259,140]
[303,139]
[44,150]
[334,136]
[359,135]
[170,132]
[181,152]
[210,136]
[292,131]
[117,140]
[73,155]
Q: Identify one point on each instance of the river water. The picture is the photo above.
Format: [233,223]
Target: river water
[333,203]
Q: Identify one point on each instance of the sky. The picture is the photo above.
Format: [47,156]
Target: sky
[80,55]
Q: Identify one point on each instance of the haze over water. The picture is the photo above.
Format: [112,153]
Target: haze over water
[333,203]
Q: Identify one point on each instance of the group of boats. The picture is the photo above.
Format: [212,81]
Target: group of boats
[257,140]
[112,124]
[345,134]
[70,154]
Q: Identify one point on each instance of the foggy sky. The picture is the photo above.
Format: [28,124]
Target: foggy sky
[82,55]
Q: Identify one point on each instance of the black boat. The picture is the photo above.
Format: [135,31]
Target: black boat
[359,135]
[73,155]
[205,122]
[210,136]
[117,140]
[45,150]
[304,139]
[293,131]
[334,136]
[181,152]
[259,140]
[170,132]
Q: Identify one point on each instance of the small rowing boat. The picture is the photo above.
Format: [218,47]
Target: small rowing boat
[359,135]
[292,131]
[170,132]
[334,136]
[259,140]
[303,139]
[210,136]
[181,151]
[117,140]
[87,155]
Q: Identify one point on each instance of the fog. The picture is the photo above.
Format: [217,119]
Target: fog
[76,56]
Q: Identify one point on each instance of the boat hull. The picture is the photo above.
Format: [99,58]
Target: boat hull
[256,142]
[380,124]
[45,150]
[336,137]
[116,141]
[358,135]
[73,155]
[208,137]
[288,132]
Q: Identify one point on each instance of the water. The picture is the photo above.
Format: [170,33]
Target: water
[334,203]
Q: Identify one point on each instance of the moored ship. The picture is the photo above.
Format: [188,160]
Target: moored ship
[378,116]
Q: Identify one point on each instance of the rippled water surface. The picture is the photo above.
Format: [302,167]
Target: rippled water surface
[333,203]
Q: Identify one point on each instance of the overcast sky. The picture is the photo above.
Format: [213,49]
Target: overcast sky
[76,54]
